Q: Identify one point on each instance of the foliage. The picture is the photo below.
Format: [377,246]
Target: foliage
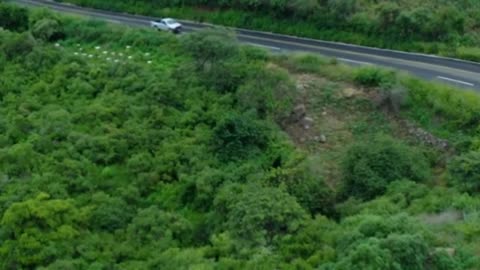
[465,171]
[369,167]
[47,30]
[469,53]
[13,18]
[238,136]
[119,149]
[405,25]
[37,230]
[19,45]
[262,214]
[373,77]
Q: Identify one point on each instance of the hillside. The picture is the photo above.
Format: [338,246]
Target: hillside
[450,28]
[127,148]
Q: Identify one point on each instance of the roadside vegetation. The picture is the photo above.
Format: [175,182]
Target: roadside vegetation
[449,28]
[126,148]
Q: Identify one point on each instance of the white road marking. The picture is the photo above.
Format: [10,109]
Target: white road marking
[353,61]
[264,46]
[456,81]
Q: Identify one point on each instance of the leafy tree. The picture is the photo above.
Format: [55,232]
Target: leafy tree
[369,167]
[109,213]
[36,231]
[210,48]
[465,171]
[269,92]
[238,136]
[367,255]
[13,17]
[152,224]
[314,242]
[388,13]
[261,214]
[19,46]
[408,251]
[47,30]
[19,160]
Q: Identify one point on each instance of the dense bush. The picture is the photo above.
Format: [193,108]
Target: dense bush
[465,172]
[263,214]
[238,136]
[19,46]
[469,53]
[369,167]
[269,92]
[47,30]
[13,18]
[373,77]
[403,25]
[116,152]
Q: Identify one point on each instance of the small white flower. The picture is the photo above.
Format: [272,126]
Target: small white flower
[112,53]
[84,54]
[90,56]
[130,57]
[97,48]
[81,49]
[147,54]
[121,54]
[109,59]
[78,45]
[149,62]
[128,47]
[105,52]
[116,60]
[57,45]
[75,53]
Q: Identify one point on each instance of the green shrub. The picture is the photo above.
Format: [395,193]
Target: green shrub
[465,172]
[47,30]
[260,214]
[237,136]
[19,45]
[368,167]
[469,53]
[459,109]
[268,91]
[13,18]
[210,48]
[375,77]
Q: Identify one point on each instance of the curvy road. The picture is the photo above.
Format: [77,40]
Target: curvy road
[456,72]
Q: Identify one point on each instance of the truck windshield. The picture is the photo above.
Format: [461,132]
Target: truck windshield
[170,21]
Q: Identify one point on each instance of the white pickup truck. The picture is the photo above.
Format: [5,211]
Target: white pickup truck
[167,24]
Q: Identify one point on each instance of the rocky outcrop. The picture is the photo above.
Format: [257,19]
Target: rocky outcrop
[426,137]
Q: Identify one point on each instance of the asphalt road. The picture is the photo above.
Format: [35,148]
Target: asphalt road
[460,73]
